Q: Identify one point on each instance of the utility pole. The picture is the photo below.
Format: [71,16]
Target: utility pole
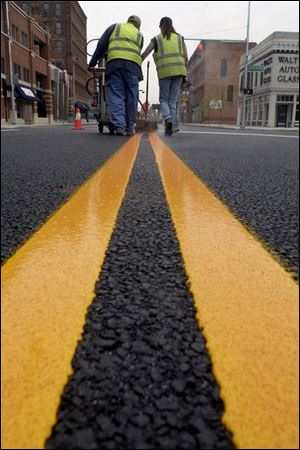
[243,112]
[13,106]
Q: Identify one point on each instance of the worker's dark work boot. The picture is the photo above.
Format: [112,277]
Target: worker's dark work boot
[168,127]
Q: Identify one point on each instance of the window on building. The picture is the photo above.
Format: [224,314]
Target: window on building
[47,26]
[58,9]
[59,64]
[58,28]
[26,75]
[26,8]
[223,68]
[285,98]
[242,80]
[261,78]
[15,32]
[24,39]
[17,70]
[3,22]
[230,93]
[40,80]
[2,65]
[58,46]
[248,80]
[40,47]
[46,9]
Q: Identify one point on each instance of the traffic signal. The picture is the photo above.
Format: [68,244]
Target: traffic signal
[248,91]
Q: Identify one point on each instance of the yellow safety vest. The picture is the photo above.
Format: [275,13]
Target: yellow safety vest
[125,43]
[169,57]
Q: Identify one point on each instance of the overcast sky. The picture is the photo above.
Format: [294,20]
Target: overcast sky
[206,20]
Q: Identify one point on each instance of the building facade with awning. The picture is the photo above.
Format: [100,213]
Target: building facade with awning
[26,91]
[24,102]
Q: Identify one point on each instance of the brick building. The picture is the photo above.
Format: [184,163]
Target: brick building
[25,70]
[273,75]
[66,22]
[214,74]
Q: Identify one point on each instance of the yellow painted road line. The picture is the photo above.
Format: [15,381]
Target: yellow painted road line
[248,306]
[46,289]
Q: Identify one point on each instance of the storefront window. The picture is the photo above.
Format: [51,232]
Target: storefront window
[254,112]
[260,110]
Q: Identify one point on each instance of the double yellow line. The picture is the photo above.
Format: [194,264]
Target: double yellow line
[246,303]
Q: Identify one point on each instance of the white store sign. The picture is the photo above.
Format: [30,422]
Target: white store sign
[27,92]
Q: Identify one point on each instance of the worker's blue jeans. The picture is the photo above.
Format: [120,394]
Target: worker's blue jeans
[168,96]
[123,94]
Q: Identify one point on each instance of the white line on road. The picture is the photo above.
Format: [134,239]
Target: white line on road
[235,134]
[13,129]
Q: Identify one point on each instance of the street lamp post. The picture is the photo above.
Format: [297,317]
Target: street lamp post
[243,112]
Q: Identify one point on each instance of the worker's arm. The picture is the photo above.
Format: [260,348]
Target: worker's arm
[102,46]
[148,50]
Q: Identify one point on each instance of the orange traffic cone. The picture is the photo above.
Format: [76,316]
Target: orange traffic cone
[77,121]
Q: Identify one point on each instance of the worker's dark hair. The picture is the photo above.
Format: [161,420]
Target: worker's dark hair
[166,27]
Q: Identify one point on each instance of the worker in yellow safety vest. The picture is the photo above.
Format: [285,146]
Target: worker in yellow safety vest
[122,43]
[171,59]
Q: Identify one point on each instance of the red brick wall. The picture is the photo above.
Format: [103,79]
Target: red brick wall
[25,55]
[208,83]
[73,39]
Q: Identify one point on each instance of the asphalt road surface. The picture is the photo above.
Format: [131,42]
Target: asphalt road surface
[142,375]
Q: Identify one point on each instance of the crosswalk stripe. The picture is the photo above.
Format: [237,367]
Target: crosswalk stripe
[247,305]
[46,288]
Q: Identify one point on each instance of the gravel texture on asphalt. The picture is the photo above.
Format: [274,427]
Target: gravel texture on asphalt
[40,170]
[142,377]
[257,178]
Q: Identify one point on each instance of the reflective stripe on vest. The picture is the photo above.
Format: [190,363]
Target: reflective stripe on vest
[169,57]
[125,43]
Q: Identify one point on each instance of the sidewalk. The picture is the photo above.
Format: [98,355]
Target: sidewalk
[53,124]
[235,127]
